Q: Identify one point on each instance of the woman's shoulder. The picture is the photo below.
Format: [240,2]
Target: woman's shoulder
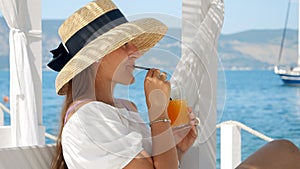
[129,105]
[97,105]
[96,110]
[93,114]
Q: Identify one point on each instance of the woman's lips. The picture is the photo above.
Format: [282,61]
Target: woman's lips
[130,67]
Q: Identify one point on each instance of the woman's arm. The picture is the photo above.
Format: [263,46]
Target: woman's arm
[164,153]
[163,145]
[157,92]
[277,154]
[142,160]
[186,137]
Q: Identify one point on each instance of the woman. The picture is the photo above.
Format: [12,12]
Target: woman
[98,51]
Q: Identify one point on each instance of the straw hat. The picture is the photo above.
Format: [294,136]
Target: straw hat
[94,31]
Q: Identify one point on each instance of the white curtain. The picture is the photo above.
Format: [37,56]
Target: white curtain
[25,69]
[196,72]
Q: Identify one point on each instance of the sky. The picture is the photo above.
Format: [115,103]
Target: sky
[240,15]
[258,14]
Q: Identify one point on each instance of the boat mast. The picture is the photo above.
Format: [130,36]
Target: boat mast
[284,33]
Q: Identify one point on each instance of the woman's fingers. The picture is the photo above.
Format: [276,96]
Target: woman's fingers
[156,73]
[194,132]
[163,76]
[150,73]
[190,109]
[192,116]
[195,121]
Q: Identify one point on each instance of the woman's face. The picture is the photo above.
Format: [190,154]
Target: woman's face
[118,65]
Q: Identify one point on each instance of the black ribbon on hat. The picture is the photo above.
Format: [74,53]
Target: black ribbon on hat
[60,58]
[81,38]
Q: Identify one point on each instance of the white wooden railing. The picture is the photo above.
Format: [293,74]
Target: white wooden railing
[3,110]
[231,144]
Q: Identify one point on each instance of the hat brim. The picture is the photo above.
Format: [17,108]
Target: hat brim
[143,33]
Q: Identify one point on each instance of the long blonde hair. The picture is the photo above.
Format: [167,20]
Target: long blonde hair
[84,88]
[58,161]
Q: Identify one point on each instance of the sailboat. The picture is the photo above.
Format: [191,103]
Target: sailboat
[289,75]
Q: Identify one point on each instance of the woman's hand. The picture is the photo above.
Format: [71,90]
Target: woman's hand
[186,137]
[157,92]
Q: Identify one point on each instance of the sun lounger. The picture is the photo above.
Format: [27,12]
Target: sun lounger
[32,157]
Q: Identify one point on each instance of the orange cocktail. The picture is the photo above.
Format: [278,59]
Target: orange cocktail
[178,113]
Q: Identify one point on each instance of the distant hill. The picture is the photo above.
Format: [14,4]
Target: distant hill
[257,49]
[4,44]
[253,49]
[50,39]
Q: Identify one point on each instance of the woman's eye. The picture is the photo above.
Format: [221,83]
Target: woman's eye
[125,45]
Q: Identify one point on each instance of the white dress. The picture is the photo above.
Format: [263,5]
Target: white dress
[101,136]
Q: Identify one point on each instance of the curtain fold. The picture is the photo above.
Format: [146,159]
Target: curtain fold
[197,70]
[25,75]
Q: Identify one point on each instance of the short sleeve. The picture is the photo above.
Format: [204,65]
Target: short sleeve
[105,142]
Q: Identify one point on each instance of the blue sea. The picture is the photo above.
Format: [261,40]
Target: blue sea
[257,98]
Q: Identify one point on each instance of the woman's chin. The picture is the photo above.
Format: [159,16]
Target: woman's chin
[131,81]
[127,81]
